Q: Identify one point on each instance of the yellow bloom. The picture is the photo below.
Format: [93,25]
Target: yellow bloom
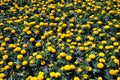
[72,66]
[62,54]
[33,78]
[52,74]
[10,63]
[76,78]
[43,37]
[89,68]
[102,60]
[24,63]
[3,44]
[35,54]
[85,76]
[92,56]
[68,57]
[116,61]
[5,57]
[100,47]
[38,57]
[2,75]
[115,43]
[81,48]
[78,38]
[32,39]
[40,77]
[101,54]
[38,44]
[79,69]
[7,67]
[23,51]
[67,68]
[112,38]
[17,49]
[106,27]
[29,32]
[112,72]
[19,56]
[18,66]
[118,78]
[57,74]
[100,78]
[7,39]
[42,62]
[100,65]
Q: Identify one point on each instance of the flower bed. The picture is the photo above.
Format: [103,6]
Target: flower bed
[60,40]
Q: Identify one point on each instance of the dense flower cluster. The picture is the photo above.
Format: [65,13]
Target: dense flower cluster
[60,39]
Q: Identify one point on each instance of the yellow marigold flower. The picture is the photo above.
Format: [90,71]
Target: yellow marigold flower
[79,69]
[81,48]
[5,57]
[40,77]
[88,59]
[1,62]
[35,54]
[7,67]
[102,60]
[67,68]
[32,39]
[17,49]
[100,47]
[101,54]
[33,78]
[3,44]
[2,75]
[116,61]
[12,45]
[112,72]
[10,63]
[38,44]
[50,48]
[112,38]
[106,27]
[100,65]
[19,56]
[68,57]
[43,37]
[115,43]
[29,32]
[93,45]
[78,38]
[85,76]
[107,47]
[72,66]
[23,51]
[62,54]
[7,39]
[1,37]
[118,78]
[42,62]
[89,68]
[92,56]
[57,74]
[38,57]
[18,66]
[100,78]
[99,22]
[52,74]
[24,63]
[76,78]
[91,38]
